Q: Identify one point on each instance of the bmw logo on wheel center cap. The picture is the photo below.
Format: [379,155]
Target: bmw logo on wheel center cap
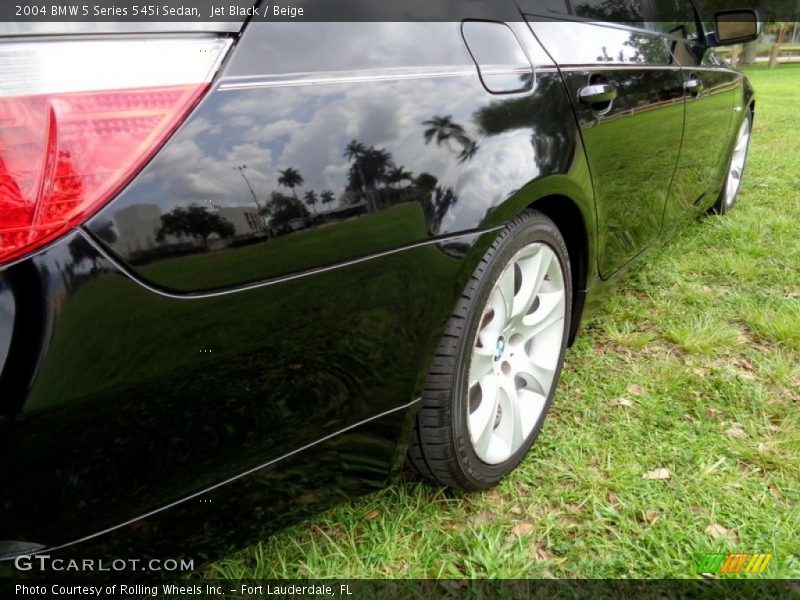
[499,347]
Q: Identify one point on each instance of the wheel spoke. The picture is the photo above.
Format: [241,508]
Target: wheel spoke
[492,323]
[530,271]
[744,136]
[481,422]
[543,375]
[480,366]
[550,311]
[511,425]
[500,312]
[531,405]
[505,285]
[537,377]
[547,257]
[736,168]
[533,276]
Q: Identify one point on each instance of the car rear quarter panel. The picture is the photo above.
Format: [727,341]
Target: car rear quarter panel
[440,154]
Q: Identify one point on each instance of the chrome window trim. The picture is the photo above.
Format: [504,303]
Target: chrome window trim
[363,76]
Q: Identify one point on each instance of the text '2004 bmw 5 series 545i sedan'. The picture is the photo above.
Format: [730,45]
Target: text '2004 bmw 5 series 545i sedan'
[255,270]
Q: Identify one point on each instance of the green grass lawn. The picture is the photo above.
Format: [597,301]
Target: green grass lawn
[693,367]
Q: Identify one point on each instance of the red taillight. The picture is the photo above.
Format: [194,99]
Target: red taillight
[63,155]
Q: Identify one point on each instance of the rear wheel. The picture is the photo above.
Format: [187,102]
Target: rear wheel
[733,180]
[498,363]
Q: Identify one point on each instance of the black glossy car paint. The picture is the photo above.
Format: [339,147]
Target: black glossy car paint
[384,101]
[188,378]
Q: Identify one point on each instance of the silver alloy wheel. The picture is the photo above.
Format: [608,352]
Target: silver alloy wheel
[737,163]
[515,353]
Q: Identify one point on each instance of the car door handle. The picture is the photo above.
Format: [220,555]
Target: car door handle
[693,86]
[597,93]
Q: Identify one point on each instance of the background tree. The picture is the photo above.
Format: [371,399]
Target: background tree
[106,232]
[426,181]
[444,131]
[194,221]
[370,168]
[443,199]
[398,174]
[310,198]
[283,209]
[620,11]
[327,197]
[352,151]
[290,178]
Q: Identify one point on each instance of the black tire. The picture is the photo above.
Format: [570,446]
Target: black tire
[440,447]
[721,206]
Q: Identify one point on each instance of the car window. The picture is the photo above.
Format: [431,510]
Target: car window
[628,12]
[551,6]
[580,43]
[676,18]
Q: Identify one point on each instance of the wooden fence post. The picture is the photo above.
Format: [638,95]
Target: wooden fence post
[773,56]
[735,55]
[776,48]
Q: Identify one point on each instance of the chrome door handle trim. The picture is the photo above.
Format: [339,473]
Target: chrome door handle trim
[694,86]
[597,93]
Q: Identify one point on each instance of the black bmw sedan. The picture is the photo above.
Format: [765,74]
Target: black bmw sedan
[258,267]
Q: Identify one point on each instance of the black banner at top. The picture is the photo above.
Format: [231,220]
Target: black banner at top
[228,11]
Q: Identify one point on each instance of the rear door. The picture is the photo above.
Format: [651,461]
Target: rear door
[628,98]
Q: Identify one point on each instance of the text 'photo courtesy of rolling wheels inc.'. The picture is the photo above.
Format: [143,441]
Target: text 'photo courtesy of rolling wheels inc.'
[408,299]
